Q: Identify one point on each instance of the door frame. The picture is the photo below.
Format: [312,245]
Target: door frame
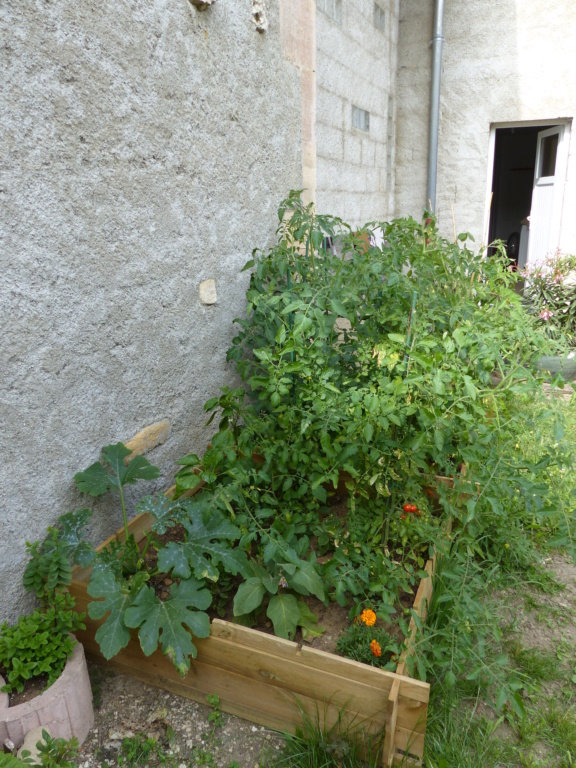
[562,153]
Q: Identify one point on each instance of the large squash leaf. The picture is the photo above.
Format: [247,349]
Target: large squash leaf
[71,525]
[113,635]
[165,622]
[205,547]
[166,512]
[113,472]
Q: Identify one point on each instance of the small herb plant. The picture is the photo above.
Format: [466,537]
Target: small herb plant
[39,644]
[52,753]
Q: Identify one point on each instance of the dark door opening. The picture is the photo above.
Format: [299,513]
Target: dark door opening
[512,184]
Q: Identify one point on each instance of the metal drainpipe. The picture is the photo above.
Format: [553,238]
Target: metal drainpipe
[437,41]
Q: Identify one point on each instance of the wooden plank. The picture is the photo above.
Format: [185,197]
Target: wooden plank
[391,717]
[252,699]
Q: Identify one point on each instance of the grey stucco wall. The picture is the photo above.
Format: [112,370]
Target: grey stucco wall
[145,147]
[356,65]
[505,62]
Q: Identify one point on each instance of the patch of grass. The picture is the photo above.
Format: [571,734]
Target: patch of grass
[315,745]
[536,664]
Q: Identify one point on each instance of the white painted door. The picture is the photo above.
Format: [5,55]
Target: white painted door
[547,194]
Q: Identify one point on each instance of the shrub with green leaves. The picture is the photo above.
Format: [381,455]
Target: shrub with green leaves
[39,644]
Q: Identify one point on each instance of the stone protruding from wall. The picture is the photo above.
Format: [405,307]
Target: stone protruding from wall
[259,17]
[207,292]
[148,438]
[298,39]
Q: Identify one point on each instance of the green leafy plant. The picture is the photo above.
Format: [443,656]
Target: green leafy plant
[283,577]
[315,744]
[52,753]
[124,578]
[370,645]
[39,644]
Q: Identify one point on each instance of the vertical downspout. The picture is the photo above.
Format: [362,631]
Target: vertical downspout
[437,41]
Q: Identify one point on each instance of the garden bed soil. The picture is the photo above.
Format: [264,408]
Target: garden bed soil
[269,680]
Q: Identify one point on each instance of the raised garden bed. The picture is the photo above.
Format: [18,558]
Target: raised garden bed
[268,680]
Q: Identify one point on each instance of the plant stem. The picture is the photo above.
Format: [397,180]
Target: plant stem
[124,516]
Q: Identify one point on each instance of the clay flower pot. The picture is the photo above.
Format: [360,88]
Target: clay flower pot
[65,708]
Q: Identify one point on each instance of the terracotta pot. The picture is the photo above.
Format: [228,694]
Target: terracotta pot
[65,708]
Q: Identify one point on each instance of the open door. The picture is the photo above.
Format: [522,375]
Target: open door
[547,194]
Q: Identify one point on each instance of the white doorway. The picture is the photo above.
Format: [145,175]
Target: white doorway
[527,172]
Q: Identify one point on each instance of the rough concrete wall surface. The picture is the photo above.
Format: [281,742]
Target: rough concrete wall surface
[145,147]
[356,65]
[504,62]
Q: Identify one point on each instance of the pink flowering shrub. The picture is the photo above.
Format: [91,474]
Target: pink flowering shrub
[550,295]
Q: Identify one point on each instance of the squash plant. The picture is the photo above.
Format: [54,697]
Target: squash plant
[122,580]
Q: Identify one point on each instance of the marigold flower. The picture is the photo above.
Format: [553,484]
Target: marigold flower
[376,648]
[368,617]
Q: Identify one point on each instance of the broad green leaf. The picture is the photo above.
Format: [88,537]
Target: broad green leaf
[249,596]
[113,635]
[284,613]
[71,524]
[94,480]
[338,308]
[164,622]
[204,548]
[192,459]
[397,337]
[368,431]
[139,468]
[307,581]
[558,430]
[470,387]
[166,512]
[438,384]
[113,456]
[438,439]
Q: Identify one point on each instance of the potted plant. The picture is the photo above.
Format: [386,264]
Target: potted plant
[41,645]
[550,296]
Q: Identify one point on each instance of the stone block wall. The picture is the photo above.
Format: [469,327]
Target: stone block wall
[356,66]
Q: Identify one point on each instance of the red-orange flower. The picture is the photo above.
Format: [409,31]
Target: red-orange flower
[376,648]
[368,617]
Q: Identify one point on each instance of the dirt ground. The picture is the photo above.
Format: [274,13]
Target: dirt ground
[126,707]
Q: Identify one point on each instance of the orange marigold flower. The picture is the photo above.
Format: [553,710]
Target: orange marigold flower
[368,617]
[376,648]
